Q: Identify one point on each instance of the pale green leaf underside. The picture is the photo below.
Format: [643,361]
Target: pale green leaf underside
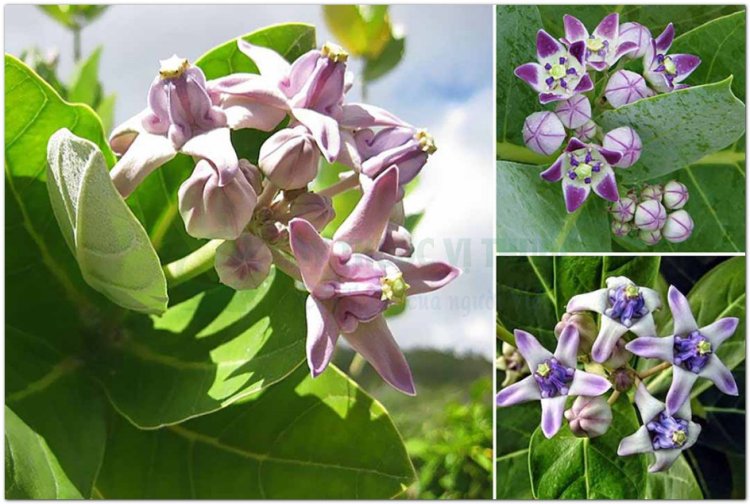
[676,483]
[112,248]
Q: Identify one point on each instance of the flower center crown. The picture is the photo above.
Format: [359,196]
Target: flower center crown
[692,351]
[426,142]
[394,288]
[667,432]
[558,71]
[553,378]
[594,44]
[173,67]
[334,52]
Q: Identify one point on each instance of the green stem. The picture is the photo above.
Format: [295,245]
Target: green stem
[76,44]
[652,371]
[192,265]
[356,366]
[342,185]
[512,152]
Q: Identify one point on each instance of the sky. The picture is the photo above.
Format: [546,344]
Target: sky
[443,83]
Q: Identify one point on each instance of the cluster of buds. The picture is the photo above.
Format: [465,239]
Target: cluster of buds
[624,308]
[267,215]
[561,76]
[653,213]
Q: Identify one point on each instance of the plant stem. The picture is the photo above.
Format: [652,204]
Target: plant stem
[284,264]
[266,197]
[192,265]
[356,366]
[656,369]
[511,152]
[342,185]
[614,397]
[76,44]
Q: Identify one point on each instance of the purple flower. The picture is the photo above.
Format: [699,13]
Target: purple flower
[543,132]
[639,35]
[650,237]
[625,141]
[589,416]
[665,72]
[243,263]
[290,158]
[574,112]
[623,209]
[586,132]
[212,211]
[603,47]
[675,195]
[678,227]
[624,307]
[691,350]
[560,73]
[626,87]
[351,284]
[405,147]
[554,378]
[663,433]
[650,215]
[582,168]
[180,117]
[621,228]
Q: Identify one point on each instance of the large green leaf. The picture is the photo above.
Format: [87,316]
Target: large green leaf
[84,86]
[532,216]
[676,483]
[112,248]
[304,437]
[205,353]
[515,425]
[720,293]
[532,291]
[516,44]
[569,467]
[679,128]
[720,43]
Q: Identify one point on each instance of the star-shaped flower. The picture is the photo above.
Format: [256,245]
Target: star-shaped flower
[624,307]
[691,350]
[554,377]
[665,72]
[603,47]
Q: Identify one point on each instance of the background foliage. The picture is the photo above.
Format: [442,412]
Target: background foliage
[531,295]
[695,135]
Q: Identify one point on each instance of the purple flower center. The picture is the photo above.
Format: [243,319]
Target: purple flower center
[596,46]
[583,165]
[667,432]
[692,351]
[557,73]
[666,66]
[553,378]
[626,304]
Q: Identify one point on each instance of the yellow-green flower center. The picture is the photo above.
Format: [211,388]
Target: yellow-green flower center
[426,142]
[594,44]
[583,170]
[173,67]
[669,66]
[558,71]
[679,437]
[543,369]
[394,288]
[334,52]
[704,347]
[632,291]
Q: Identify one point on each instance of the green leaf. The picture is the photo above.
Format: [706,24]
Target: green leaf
[387,60]
[111,246]
[720,44]
[515,425]
[568,467]
[321,437]
[720,293]
[363,30]
[106,111]
[73,16]
[291,40]
[205,353]
[532,216]
[31,469]
[679,128]
[517,26]
[84,86]
[676,483]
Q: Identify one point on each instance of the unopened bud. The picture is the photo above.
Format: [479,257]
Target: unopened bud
[621,228]
[589,416]
[675,195]
[623,209]
[290,158]
[543,132]
[574,112]
[622,379]
[626,141]
[314,208]
[650,215]
[587,131]
[678,227]
[652,192]
[650,237]
[586,326]
[243,263]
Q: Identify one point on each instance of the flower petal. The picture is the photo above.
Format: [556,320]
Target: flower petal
[720,375]
[361,115]
[605,342]
[651,298]
[374,341]
[663,42]
[253,87]
[530,348]
[664,460]
[588,384]
[612,157]
[609,27]
[574,144]
[584,85]
[520,392]
[364,227]
[648,405]
[653,348]
[554,172]
[552,414]
[567,346]
[685,64]
[124,135]
[684,322]
[578,51]
[574,29]
[547,46]
[247,113]
[679,391]
[606,186]
[422,277]
[532,74]
[644,326]
[324,129]
[574,195]
[638,442]
[145,154]
[625,48]
[595,301]
[216,146]
[310,250]
[720,330]
[270,63]
[322,334]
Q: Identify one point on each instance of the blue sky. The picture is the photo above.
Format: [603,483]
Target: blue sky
[444,83]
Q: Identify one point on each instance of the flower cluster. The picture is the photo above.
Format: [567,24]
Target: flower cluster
[267,214]
[654,213]
[623,307]
[561,76]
